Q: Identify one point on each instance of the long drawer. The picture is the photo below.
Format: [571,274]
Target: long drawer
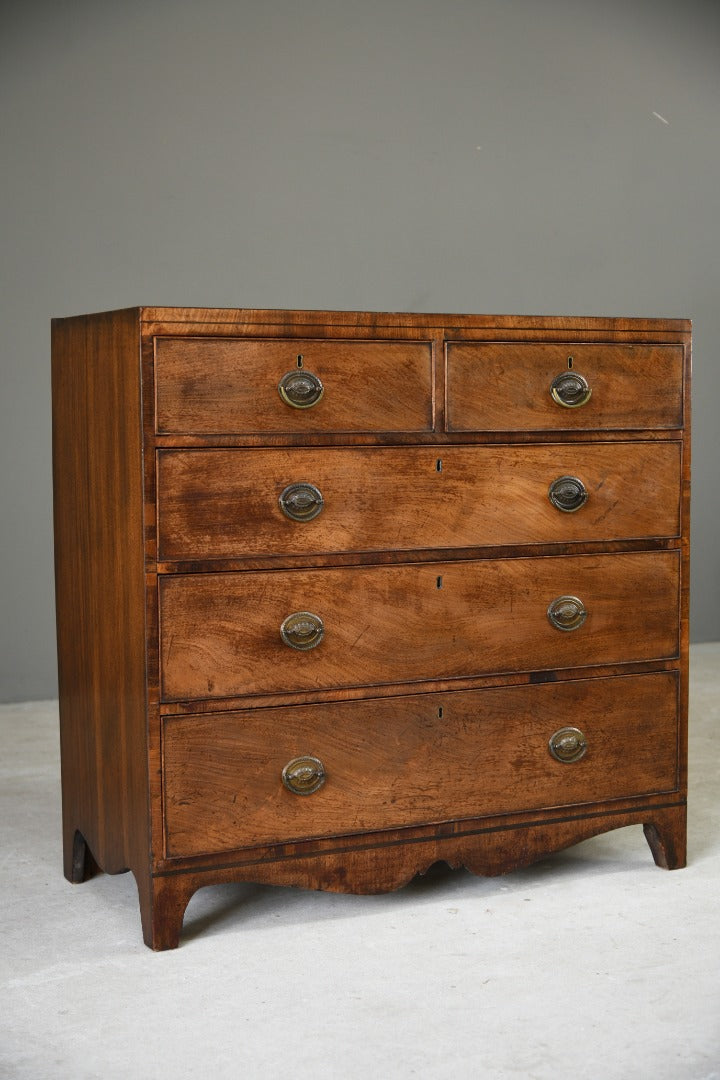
[294,386]
[397,762]
[508,386]
[221,635]
[215,504]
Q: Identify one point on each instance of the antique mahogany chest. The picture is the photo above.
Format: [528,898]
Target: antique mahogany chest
[342,594]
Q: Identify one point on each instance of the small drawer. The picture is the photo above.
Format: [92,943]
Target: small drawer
[521,386]
[244,385]
[277,775]
[282,631]
[216,504]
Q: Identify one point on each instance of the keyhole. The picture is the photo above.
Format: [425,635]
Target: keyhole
[440,713]
[438,465]
[300,360]
[570,361]
[439,581]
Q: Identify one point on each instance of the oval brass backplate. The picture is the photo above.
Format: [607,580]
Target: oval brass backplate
[300,389]
[302,630]
[567,613]
[301,502]
[303,775]
[570,389]
[568,493]
[568,745]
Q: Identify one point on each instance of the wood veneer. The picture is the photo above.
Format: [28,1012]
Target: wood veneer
[501,386]
[225,385]
[220,633]
[213,504]
[174,565]
[407,760]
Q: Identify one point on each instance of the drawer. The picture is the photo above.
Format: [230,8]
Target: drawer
[391,763]
[507,386]
[215,504]
[220,634]
[232,385]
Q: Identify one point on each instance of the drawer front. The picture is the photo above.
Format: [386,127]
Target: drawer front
[224,385]
[397,762]
[503,386]
[221,633]
[215,504]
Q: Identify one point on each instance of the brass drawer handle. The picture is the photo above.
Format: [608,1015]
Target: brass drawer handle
[302,630]
[303,775]
[301,502]
[568,493]
[568,745]
[300,389]
[570,389]
[567,613]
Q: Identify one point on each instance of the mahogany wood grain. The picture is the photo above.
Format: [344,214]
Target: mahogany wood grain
[220,633]
[319,695]
[211,385]
[506,386]
[249,321]
[405,761]
[387,861]
[685,572]
[437,438]
[390,557]
[219,504]
[100,593]
[320,847]
[115,727]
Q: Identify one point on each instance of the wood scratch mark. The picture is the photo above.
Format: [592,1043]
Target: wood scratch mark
[607,511]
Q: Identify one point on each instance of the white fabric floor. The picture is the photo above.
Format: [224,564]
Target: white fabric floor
[591,964]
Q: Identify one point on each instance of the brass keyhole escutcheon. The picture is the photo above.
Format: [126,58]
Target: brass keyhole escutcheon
[568,745]
[302,630]
[570,389]
[301,502]
[304,775]
[568,493]
[300,389]
[567,613]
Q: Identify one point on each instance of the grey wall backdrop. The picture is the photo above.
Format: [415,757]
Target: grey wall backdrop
[501,156]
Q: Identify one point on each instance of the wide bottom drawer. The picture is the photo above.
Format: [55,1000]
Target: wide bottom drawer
[396,762]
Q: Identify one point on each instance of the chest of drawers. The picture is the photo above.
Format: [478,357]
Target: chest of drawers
[340,595]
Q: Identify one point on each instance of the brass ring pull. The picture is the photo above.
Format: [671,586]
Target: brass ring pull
[301,502]
[570,389]
[302,630]
[568,494]
[300,389]
[303,775]
[568,745]
[567,613]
